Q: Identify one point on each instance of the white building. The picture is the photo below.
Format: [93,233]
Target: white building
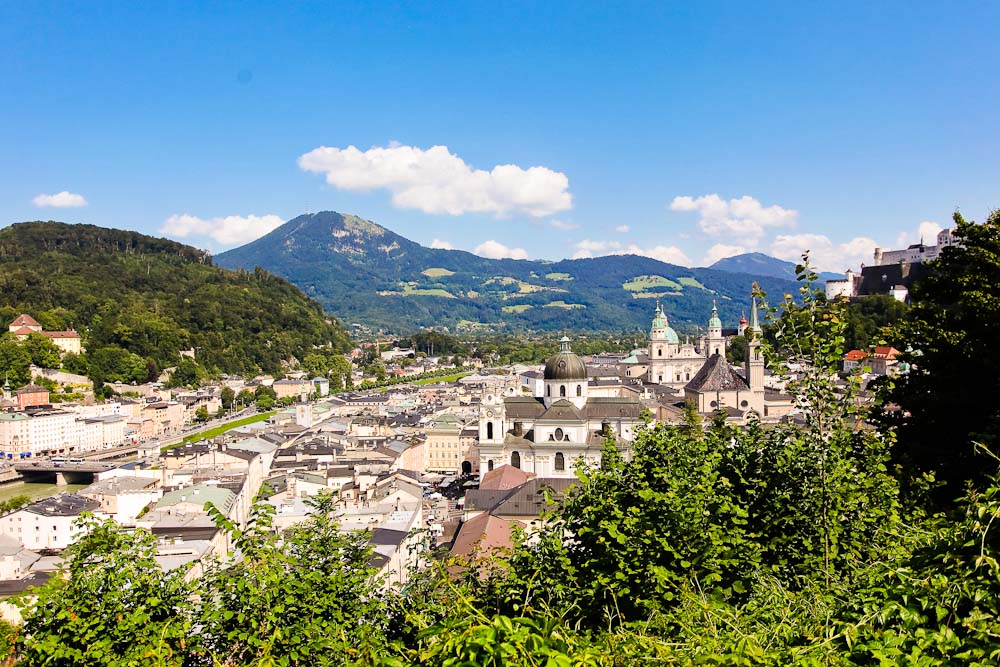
[546,434]
[49,523]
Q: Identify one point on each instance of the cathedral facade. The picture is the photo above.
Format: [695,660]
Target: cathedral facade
[667,360]
[549,433]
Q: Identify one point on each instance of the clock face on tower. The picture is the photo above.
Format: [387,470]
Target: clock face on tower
[489,413]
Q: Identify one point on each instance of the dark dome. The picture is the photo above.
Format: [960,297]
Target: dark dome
[565,365]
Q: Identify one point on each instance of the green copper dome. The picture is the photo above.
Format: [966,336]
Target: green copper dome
[714,321]
[661,328]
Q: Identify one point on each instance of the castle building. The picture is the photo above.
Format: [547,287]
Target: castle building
[562,424]
[66,341]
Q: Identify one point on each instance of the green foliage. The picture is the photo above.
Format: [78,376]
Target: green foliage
[117,606]
[13,504]
[43,352]
[950,332]
[307,599]
[153,298]
[14,361]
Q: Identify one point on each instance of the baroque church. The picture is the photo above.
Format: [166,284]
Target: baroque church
[547,434]
[670,362]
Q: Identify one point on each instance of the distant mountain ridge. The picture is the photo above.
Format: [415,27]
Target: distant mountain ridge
[759,264]
[365,273]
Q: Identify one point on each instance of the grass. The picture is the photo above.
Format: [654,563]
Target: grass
[558,276]
[517,309]
[36,490]
[442,378]
[691,282]
[564,305]
[435,272]
[409,290]
[642,283]
[219,430]
[522,287]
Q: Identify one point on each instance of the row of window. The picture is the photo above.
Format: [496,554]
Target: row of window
[515,461]
[562,390]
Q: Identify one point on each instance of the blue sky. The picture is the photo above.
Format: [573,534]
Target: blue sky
[684,131]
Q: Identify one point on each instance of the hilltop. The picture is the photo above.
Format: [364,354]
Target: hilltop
[757,263]
[153,297]
[368,274]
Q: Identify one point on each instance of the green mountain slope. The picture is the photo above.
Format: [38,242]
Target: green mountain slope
[365,273]
[154,297]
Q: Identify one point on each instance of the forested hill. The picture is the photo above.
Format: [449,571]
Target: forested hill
[153,297]
[368,274]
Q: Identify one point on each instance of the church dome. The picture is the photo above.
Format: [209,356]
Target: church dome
[661,328]
[714,322]
[565,365]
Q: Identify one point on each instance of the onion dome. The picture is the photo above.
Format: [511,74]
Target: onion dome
[565,365]
[714,322]
[661,328]
[743,320]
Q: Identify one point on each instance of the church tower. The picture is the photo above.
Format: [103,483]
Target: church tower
[716,343]
[755,354]
[565,377]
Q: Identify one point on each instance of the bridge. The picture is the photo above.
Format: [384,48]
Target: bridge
[64,473]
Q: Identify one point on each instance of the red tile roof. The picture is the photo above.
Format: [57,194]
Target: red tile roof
[25,320]
[503,478]
[855,355]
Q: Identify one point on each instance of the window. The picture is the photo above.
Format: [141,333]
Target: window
[579,390]
[744,404]
[559,434]
[562,390]
[489,430]
[560,461]
[714,404]
[659,352]
[489,465]
[515,460]
[548,391]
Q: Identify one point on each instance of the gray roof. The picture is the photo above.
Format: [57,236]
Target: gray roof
[563,410]
[717,375]
[65,504]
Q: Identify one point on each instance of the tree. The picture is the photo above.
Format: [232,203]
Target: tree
[201,414]
[75,363]
[227,396]
[188,373]
[43,351]
[14,361]
[950,332]
[117,606]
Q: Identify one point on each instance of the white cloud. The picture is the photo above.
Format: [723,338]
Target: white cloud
[926,231]
[746,218]
[437,181]
[441,245]
[586,248]
[496,250]
[62,199]
[670,254]
[824,254]
[622,229]
[228,231]
[562,224]
[721,250]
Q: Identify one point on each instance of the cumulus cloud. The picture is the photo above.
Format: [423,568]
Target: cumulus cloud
[586,248]
[744,218]
[228,231]
[665,253]
[564,225]
[720,251]
[824,254]
[441,245]
[496,250]
[670,254]
[437,181]
[926,231]
[622,229]
[62,199]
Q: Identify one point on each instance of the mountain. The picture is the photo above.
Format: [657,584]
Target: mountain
[368,274]
[154,297]
[759,264]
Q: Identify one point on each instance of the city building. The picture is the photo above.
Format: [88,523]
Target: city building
[548,433]
[25,325]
